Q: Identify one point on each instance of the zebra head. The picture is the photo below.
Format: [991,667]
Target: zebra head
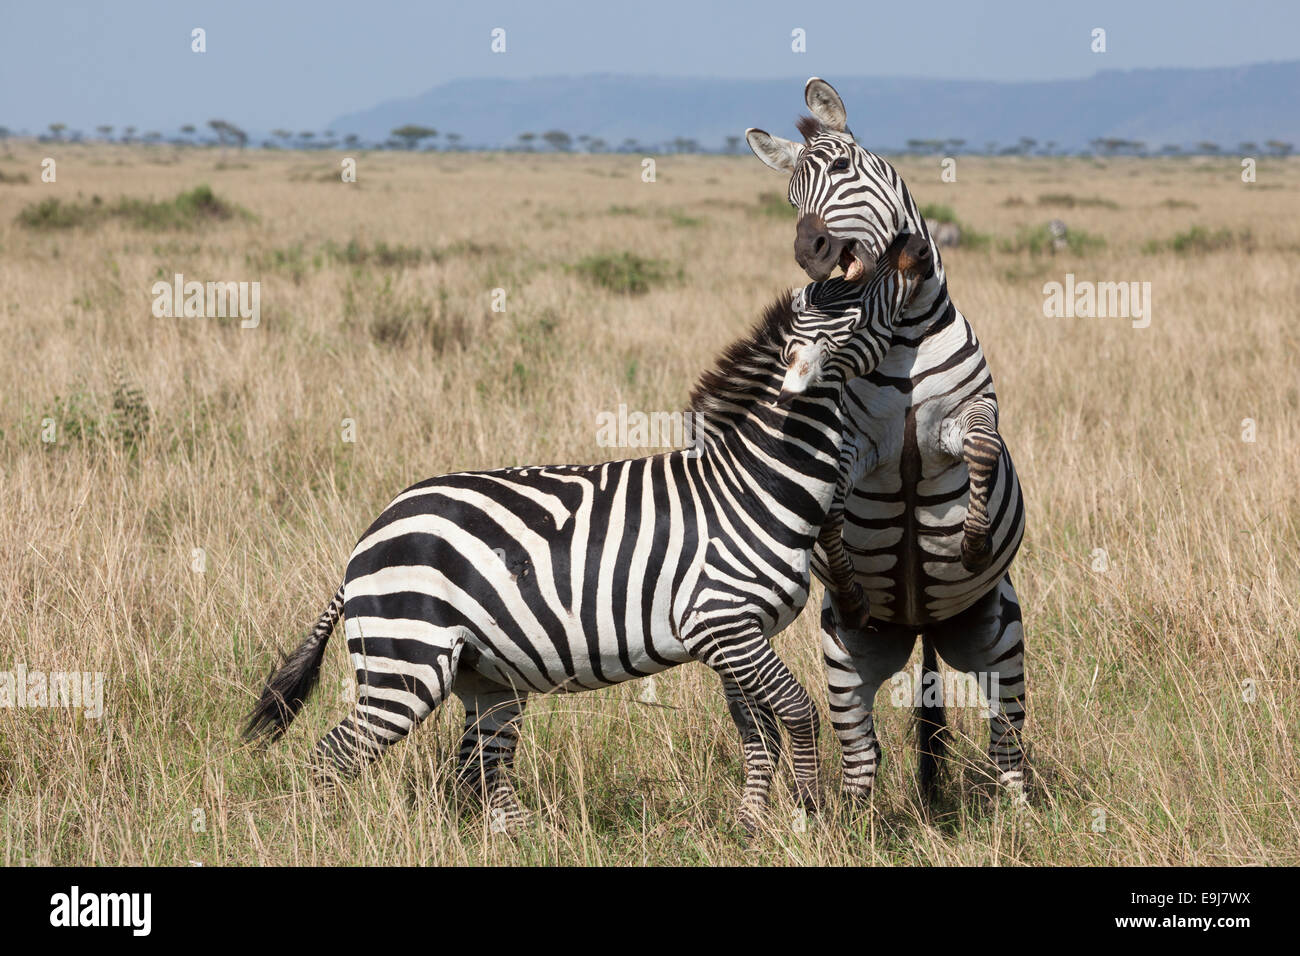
[852,204]
[842,329]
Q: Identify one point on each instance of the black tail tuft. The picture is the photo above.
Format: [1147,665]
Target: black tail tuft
[931,729]
[287,689]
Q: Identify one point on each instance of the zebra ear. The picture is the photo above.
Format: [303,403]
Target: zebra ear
[780,154]
[825,103]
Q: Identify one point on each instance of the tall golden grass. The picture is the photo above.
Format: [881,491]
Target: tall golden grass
[1148,744]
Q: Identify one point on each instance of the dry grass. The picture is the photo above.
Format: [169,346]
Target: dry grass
[1127,440]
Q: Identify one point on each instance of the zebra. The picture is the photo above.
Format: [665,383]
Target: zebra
[935,513]
[494,585]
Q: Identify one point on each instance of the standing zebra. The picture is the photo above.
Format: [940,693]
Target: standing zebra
[934,515]
[497,584]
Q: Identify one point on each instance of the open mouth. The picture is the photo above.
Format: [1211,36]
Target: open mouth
[854,268]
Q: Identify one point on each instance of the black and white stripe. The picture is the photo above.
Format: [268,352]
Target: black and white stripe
[494,585]
[934,514]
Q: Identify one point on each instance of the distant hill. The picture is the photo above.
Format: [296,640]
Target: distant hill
[1226,106]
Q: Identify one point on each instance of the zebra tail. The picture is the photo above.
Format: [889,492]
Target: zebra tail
[287,689]
[931,738]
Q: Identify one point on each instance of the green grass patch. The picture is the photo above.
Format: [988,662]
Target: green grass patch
[971,238]
[1069,201]
[1198,240]
[188,210]
[774,204]
[1038,240]
[625,273]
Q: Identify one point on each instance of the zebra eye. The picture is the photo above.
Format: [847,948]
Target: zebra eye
[840,164]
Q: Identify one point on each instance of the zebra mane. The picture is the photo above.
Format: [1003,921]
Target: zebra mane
[742,373]
[808,126]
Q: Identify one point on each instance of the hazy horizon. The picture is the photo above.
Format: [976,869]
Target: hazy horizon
[83,64]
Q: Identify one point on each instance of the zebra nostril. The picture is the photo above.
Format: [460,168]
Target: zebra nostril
[819,246]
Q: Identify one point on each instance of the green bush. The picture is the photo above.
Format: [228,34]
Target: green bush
[1038,240]
[189,210]
[625,273]
[1069,201]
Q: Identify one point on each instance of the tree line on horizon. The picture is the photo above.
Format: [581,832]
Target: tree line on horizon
[410,137]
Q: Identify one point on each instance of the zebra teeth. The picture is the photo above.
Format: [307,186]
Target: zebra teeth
[854,268]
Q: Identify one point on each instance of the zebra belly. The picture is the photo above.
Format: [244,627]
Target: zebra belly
[910,567]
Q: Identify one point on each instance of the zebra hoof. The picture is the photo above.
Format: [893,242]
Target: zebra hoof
[852,615]
[809,797]
[976,553]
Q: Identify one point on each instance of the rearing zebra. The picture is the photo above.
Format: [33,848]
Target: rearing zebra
[934,515]
[497,584]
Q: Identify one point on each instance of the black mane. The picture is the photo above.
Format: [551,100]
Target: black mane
[738,376]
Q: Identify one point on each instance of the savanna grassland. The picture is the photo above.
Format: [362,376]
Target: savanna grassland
[198,502]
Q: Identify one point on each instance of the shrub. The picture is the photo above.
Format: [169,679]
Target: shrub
[1069,201]
[1038,240]
[625,273]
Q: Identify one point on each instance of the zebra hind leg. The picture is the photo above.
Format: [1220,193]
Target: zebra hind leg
[390,703]
[857,662]
[486,754]
[988,640]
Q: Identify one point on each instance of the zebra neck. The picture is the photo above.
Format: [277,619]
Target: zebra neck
[930,310]
[780,459]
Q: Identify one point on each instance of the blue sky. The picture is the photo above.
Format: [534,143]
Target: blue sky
[297,65]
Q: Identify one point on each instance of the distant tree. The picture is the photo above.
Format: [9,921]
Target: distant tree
[56,129]
[4,133]
[1170,149]
[630,145]
[733,144]
[954,145]
[1248,148]
[105,132]
[453,140]
[128,133]
[558,140]
[596,144]
[352,140]
[305,138]
[1208,147]
[283,135]
[990,147]
[152,136]
[188,131]
[411,134]
[1279,147]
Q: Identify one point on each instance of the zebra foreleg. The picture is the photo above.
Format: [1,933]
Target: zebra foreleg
[987,640]
[760,741]
[973,437]
[740,653]
[857,663]
[840,577]
[486,754]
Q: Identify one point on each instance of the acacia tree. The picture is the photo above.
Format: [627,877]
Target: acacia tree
[411,134]
[558,140]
